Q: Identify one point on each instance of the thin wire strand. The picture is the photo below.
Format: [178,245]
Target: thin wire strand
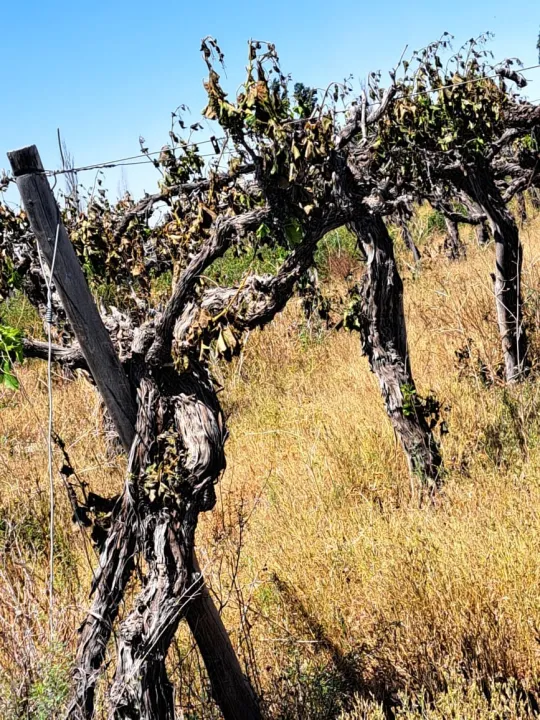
[464,82]
[447,87]
[126,162]
[54,173]
[472,81]
[48,283]
[50,432]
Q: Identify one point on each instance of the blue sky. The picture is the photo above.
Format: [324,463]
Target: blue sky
[107,72]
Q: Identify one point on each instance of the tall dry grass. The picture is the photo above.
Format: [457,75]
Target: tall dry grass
[345,596]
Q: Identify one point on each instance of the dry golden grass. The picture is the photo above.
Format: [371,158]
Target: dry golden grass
[344,595]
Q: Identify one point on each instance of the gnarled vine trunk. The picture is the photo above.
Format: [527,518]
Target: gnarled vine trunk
[175,459]
[384,342]
[116,564]
[181,438]
[507,276]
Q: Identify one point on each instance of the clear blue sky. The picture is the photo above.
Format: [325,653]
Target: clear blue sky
[107,72]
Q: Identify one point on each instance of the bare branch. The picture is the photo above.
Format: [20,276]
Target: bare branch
[71,356]
[506,138]
[259,298]
[145,206]
[225,230]
[354,125]
[512,75]
[517,186]
[379,110]
[457,217]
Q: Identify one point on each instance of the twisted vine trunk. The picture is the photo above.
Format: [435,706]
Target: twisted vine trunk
[181,440]
[384,342]
[175,459]
[115,568]
[142,688]
[507,276]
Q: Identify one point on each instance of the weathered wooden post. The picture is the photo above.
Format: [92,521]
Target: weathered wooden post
[231,689]
[96,345]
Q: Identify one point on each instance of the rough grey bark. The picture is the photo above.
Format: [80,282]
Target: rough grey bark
[453,245]
[507,276]
[384,342]
[180,455]
[115,568]
[175,459]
